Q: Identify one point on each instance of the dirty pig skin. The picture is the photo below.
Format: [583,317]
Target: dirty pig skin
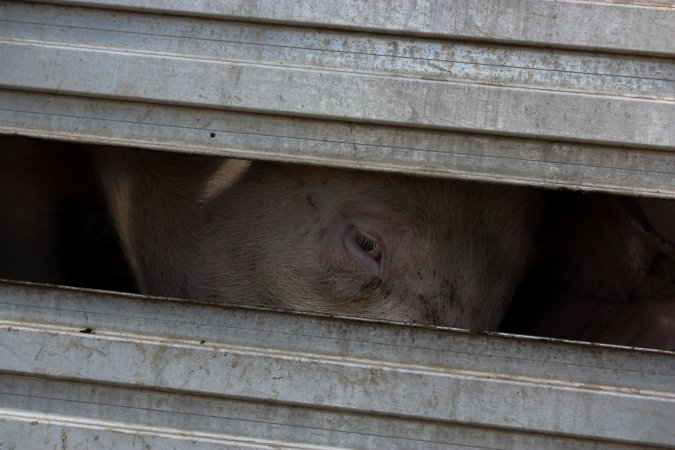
[353,243]
[421,250]
[417,250]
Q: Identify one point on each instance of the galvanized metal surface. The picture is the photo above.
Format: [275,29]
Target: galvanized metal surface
[431,88]
[552,117]
[625,26]
[343,76]
[539,163]
[96,368]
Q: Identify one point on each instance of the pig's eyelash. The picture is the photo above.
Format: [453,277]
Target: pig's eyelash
[366,244]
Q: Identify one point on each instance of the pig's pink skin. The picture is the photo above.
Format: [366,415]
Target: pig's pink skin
[448,252]
[608,275]
[265,234]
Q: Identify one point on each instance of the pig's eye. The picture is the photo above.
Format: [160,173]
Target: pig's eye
[367,245]
[365,250]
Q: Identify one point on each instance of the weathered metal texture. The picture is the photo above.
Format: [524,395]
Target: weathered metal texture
[624,26]
[92,368]
[491,111]
[621,170]
[495,90]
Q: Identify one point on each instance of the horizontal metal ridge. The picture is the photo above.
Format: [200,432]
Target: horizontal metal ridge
[353,52]
[414,103]
[346,77]
[614,169]
[445,377]
[641,26]
[37,410]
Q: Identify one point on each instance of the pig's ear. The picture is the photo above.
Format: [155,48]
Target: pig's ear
[660,215]
[365,250]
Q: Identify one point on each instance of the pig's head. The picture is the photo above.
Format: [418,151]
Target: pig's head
[352,243]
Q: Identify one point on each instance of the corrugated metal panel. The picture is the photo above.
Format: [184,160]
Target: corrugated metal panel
[643,26]
[574,94]
[92,369]
[376,98]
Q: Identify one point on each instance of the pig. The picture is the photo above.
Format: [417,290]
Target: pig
[344,242]
[606,274]
[353,243]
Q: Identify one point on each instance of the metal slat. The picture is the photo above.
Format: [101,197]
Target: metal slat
[404,86]
[339,95]
[645,26]
[541,163]
[172,370]
[91,414]
[589,121]
[586,99]
[435,59]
